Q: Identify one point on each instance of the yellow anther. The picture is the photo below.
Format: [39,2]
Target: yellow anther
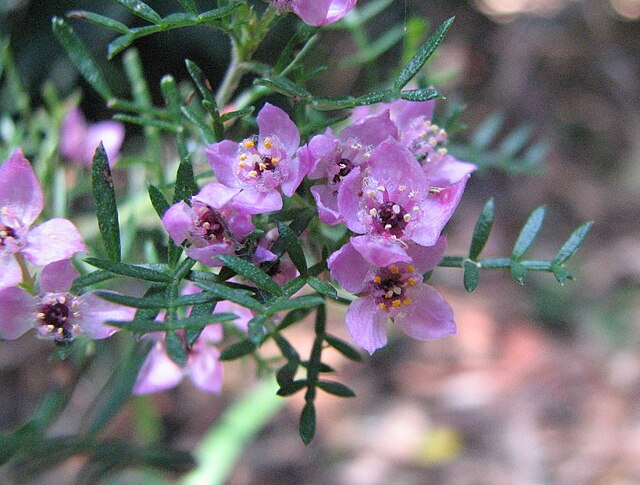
[396,303]
[410,268]
[243,156]
[411,282]
[62,300]
[275,160]
[388,295]
[442,151]
[262,166]
[373,212]
[402,188]
[394,269]
[242,165]
[376,279]
[267,143]
[371,194]
[249,144]
[381,188]
[41,315]
[382,306]
[253,174]
[50,328]
[407,301]
[406,217]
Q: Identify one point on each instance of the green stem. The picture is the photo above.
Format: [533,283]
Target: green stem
[496,263]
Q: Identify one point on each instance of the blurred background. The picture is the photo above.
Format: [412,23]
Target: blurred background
[542,382]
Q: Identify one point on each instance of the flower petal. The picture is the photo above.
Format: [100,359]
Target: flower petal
[17,313]
[21,198]
[349,195]
[428,317]
[404,112]
[448,172]
[252,202]
[204,367]
[322,151]
[178,221]
[244,314]
[393,165]
[379,251]
[425,258]
[72,136]
[110,134]
[371,130]
[94,312]
[207,254]
[366,324]
[216,195]
[11,274]
[297,168]
[53,240]
[158,372]
[57,277]
[272,121]
[349,268]
[327,204]
[223,158]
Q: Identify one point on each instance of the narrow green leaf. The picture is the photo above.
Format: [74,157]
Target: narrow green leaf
[185,181]
[149,122]
[251,272]
[241,113]
[80,57]
[284,86]
[286,373]
[482,229]
[175,348]
[196,115]
[322,287]
[471,275]
[293,286]
[89,280]
[528,233]
[305,301]
[307,427]
[189,6]
[569,248]
[104,197]
[426,51]
[343,347]
[518,271]
[100,20]
[138,272]
[237,350]
[329,104]
[204,310]
[241,297]
[292,387]
[426,94]
[386,96]
[336,388]
[302,35]
[158,200]
[197,322]
[141,9]
[293,248]
[117,45]
[256,330]
[562,274]
[294,316]
[208,97]
[287,350]
[218,13]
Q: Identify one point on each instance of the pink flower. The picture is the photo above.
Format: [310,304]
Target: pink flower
[392,203]
[21,202]
[79,140]
[395,293]
[54,312]
[210,225]
[316,12]
[203,366]
[261,166]
[335,157]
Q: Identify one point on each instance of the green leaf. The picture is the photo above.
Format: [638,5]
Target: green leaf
[426,94]
[141,9]
[336,388]
[149,122]
[185,181]
[197,322]
[284,86]
[343,347]
[471,276]
[117,45]
[89,280]
[251,272]
[518,271]
[118,390]
[528,233]
[208,97]
[302,35]
[426,51]
[307,427]
[104,197]
[241,113]
[329,104]
[305,301]
[80,57]
[189,6]
[294,316]
[286,373]
[158,200]
[131,270]
[256,330]
[204,310]
[322,287]
[175,348]
[241,297]
[218,13]
[562,274]
[386,96]
[100,20]
[569,248]
[482,230]
[293,248]
[292,387]
[237,350]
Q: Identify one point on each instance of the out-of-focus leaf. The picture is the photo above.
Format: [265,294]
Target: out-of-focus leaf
[471,276]
[307,427]
[528,233]
[569,248]
[336,388]
[141,9]
[100,20]
[241,297]
[343,347]
[305,301]
[237,350]
[175,348]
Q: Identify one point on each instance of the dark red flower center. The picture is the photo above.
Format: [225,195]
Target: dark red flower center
[55,316]
[5,233]
[345,166]
[213,224]
[391,217]
[266,164]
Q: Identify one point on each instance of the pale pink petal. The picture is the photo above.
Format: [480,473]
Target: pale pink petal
[327,204]
[392,164]
[349,268]
[53,240]
[380,251]
[349,195]
[322,151]
[371,130]
[57,277]
[21,198]
[297,168]
[17,313]
[404,112]
[272,121]
[244,314]
[428,317]
[158,372]
[72,136]
[204,367]
[11,274]
[223,158]
[252,202]
[366,324]
[95,311]
[216,195]
[207,255]
[425,258]
[178,221]
[212,333]
[110,134]
[449,172]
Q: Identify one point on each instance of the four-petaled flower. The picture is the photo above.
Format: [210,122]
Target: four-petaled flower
[261,166]
[316,12]
[21,202]
[55,313]
[395,292]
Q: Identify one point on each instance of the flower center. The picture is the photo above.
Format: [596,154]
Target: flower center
[54,319]
[391,217]
[266,164]
[213,224]
[345,166]
[427,141]
[389,286]
[6,232]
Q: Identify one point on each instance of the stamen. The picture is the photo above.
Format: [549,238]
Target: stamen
[410,268]
[402,188]
[377,279]
[396,303]
[253,174]
[249,144]
[382,306]
[411,282]
[396,209]
[394,269]
[243,156]
[242,164]
[406,217]
[267,142]
[407,301]
[373,212]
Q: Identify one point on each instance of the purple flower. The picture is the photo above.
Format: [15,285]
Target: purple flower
[21,203]
[54,312]
[159,372]
[395,293]
[261,166]
[334,158]
[78,139]
[210,225]
[391,203]
[316,12]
